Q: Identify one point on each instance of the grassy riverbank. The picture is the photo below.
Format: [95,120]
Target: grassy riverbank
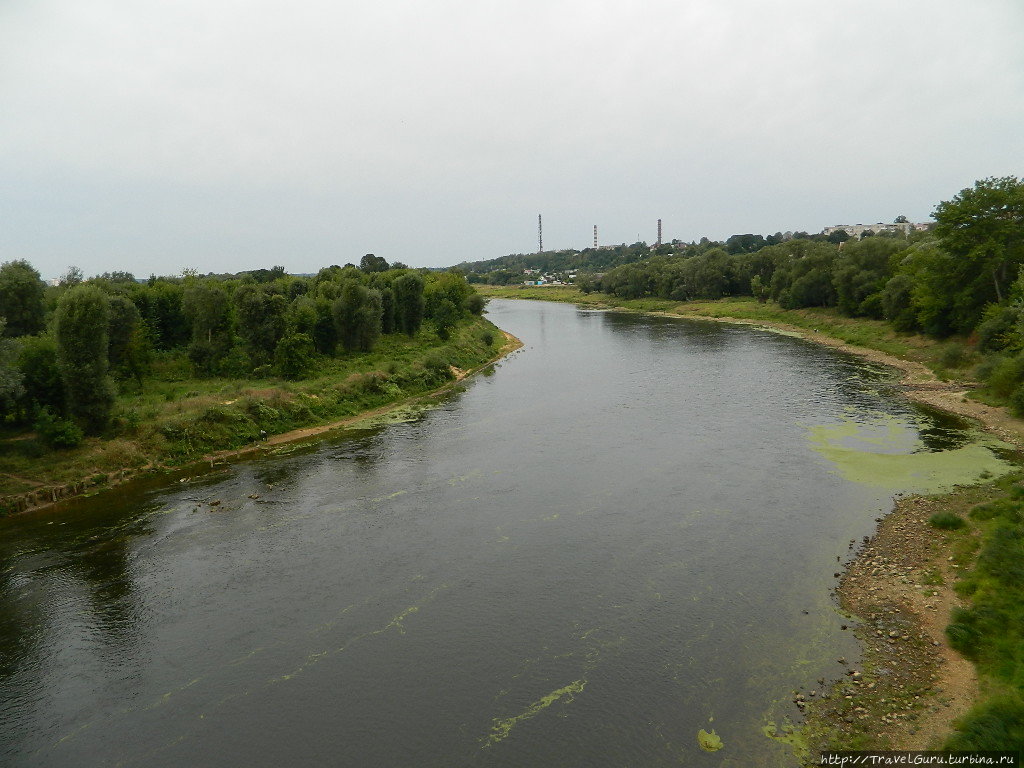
[941,581]
[176,419]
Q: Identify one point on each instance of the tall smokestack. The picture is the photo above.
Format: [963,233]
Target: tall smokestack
[595,235]
[659,231]
[540,235]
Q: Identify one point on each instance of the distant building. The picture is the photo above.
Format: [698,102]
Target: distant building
[857,230]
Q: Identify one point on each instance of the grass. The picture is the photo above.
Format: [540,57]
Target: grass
[174,420]
[990,630]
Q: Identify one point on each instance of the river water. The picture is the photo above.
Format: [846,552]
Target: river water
[624,534]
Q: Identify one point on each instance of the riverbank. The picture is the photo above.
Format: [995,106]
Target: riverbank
[910,686]
[225,421]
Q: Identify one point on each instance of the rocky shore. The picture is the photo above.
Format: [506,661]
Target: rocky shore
[910,685]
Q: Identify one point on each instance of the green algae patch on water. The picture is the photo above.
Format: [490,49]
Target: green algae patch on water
[886,451]
[709,742]
[502,728]
[788,734]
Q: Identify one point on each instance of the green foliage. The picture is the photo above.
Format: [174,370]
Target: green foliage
[37,360]
[56,432]
[161,303]
[896,303]
[21,298]
[997,725]
[11,388]
[205,306]
[804,277]
[476,303]
[983,227]
[80,326]
[991,631]
[125,324]
[260,319]
[293,357]
[953,356]
[860,272]
[999,328]
[947,521]
[371,263]
[445,316]
[357,316]
[1007,374]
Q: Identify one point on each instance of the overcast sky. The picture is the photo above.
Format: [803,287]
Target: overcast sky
[155,136]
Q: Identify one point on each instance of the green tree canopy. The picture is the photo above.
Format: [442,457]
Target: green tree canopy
[80,325]
[21,298]
[983,227]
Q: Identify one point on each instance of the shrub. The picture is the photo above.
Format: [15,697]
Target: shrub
[997,327]
[1007,375]
[293,356]
[947,521]
[1017,400]
[56,432]
[953,355]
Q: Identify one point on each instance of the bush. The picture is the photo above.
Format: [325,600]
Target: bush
[293,356]
[997,327]
[1007,375]
[1017,401]
[436,363]
[953,355]
[56,432]
[947,521]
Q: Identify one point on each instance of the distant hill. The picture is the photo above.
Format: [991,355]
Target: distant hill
[505,269]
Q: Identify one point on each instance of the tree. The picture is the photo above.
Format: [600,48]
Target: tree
[160,302]
[10,376]
[293,356]
[745,243]
[901,219]
[80,326]
[205,306]
[261,319]
[125,321]
[860,273]
[37,361]
[357,315]
[983,227]
[408,290]
[838,236]
[371,263]
[72,277]
[21,298]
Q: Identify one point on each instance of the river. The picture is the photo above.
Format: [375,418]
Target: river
[624,534]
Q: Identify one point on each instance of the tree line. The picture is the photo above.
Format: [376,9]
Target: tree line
[66,350]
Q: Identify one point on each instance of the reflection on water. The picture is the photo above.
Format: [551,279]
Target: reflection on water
[625,536]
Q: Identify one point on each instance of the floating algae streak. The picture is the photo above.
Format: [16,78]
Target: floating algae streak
[883,450]
[502,728]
